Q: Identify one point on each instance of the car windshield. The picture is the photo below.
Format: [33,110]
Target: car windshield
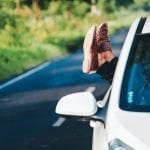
[135,93]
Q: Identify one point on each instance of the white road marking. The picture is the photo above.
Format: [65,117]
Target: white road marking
[29,72]
[24,75]
[91,89]
[59,122]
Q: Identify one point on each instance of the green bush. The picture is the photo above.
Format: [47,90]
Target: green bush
[16,60]
[7,4]
[80,9]
[7,19]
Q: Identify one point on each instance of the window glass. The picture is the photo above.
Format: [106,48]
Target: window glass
[135,93]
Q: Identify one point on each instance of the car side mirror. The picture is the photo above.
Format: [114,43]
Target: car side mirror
[82,104]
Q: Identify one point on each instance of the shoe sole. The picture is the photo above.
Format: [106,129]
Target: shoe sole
[90,63]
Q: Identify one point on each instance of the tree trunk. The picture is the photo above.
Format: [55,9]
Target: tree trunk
[93,7]
[36,8]
[18,7]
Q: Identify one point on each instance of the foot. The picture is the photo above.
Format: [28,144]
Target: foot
[102,38]
[104,46]
[90,62]
[97,48]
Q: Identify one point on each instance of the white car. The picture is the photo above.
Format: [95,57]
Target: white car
[121,121]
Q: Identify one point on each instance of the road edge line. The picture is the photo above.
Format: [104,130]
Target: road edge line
[32,71]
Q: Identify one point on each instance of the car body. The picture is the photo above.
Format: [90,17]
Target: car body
[123,121]
[127,121]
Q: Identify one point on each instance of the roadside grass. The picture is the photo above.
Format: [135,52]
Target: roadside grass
[25,44]
[16,60]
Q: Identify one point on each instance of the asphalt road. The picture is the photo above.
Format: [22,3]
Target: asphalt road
[27,105]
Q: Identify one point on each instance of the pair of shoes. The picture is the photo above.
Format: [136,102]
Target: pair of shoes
[96,41]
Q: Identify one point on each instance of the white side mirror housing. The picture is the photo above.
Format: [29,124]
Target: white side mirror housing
[81,104]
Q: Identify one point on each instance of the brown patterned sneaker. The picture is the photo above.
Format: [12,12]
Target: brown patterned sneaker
[102,38]
[90,62]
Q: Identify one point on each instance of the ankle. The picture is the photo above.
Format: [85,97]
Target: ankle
[108,55]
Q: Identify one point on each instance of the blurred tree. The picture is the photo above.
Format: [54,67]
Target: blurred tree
[143,3]
[123,3]
[36,8]
[106,5]
[35,4]
[7,4]
[42,3]
[94,9]
[17,5]
[109,6]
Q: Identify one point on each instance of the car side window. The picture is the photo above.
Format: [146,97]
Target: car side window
[136,83]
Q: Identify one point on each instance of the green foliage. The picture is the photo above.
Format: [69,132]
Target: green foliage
[142,2]
[75,7]
[7,19]
[42,3]
[7,4]
[145,4]
[107,6]
[124,3]
[16,60]
[110,6]
[79,9]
